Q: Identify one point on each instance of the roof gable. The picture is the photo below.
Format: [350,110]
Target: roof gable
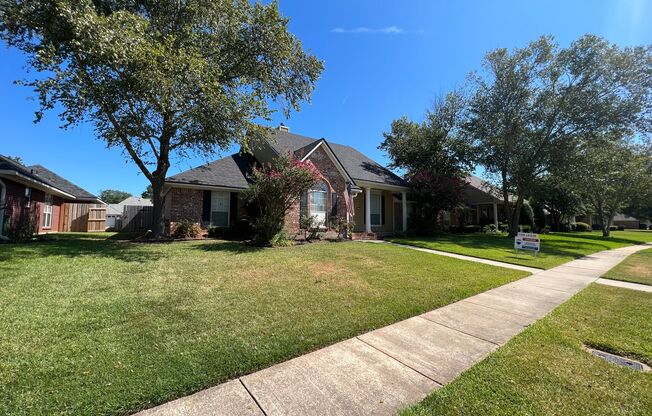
[357,165]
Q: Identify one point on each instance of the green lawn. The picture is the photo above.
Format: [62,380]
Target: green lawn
[556,249]
[97,326]
[637,268]
[544,371]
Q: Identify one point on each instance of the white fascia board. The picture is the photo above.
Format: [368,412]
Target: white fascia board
[26,180]
[383,186]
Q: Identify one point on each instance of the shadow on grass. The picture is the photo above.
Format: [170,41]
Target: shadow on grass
[76,247]
[234,247]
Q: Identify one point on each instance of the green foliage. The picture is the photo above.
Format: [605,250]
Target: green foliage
[343,227]
[275,188]
[527,214]
[561,197]
[436,158]
[281,239]
[532,109]
[186,229]
[613,173]
[148,193]
[582,227]
[24,228]
[312,228]
[113,196]
[161,77]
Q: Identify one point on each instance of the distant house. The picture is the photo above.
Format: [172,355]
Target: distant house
[115,212]
[620,220]
[354,187]
[38,197]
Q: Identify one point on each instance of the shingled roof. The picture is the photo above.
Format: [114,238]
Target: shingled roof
[232,171]
[357,165]
[46,177]
[229,172]
[62,183]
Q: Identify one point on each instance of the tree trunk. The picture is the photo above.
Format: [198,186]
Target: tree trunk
[158,201]
[515,217]
[606,225]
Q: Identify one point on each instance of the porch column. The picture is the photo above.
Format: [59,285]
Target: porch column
[404,206]
[496,214]
[367,210]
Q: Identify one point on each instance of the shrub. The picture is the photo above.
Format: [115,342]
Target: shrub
[525,228]
[490,229]
[582,227]
[642,226]
[281,239]
[503,226]
[343,227]
[186,229]
[613,228]
[545,230]
[276,188]
[472,228]
[621,228]
[25,226]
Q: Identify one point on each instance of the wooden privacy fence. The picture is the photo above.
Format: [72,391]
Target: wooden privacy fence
[135,218]
[80,217]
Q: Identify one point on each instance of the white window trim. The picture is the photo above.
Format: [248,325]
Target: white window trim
[379,195]
[310,204]
[47,211]
[227,196]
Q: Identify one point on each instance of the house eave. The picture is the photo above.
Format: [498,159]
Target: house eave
[26,180]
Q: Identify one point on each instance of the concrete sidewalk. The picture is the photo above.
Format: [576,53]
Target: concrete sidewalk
[385,370]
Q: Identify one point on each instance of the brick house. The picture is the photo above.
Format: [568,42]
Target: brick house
[210,194]
[41,197]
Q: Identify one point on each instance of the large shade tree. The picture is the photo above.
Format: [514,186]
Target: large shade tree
[435,157]
[161,78]
[531,108]
[614,174]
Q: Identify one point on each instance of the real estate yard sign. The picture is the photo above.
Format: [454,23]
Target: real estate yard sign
[527,241]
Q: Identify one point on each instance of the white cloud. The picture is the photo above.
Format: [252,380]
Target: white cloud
[389,30]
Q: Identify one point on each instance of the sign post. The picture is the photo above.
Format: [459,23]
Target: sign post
[527,241]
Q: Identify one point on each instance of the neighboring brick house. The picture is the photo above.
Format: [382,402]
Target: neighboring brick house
[41,197]
[210,194]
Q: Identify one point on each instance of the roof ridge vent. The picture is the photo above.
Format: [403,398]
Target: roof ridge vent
[283,127]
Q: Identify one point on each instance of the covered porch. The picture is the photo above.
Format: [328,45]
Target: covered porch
[380,210]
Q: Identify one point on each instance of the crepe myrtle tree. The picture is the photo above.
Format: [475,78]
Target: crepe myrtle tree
[530,109]
[275,188]
[161,78]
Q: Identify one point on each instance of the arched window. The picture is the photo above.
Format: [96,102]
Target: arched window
[319,202]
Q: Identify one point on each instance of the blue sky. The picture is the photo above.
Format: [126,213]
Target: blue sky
[384,59]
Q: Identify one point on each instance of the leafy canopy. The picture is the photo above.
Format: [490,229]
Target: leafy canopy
[165,77]
[113,196]
[531,108]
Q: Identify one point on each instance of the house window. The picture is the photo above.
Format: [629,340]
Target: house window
[376,209]
[220,203]
[28,196]
[47,212]
[318,203]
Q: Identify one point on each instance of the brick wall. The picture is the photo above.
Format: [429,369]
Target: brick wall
[336,183]
[185,204]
